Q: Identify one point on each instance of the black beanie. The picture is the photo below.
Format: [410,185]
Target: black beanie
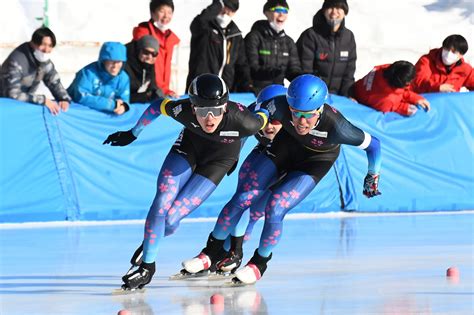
[155,4]
[275,3]
[232,4]
[336,4]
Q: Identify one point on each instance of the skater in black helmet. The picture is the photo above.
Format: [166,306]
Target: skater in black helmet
[207,148]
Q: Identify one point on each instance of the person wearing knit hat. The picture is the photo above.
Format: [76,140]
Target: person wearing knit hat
[140,67]
[272,54]
[217,46]
[161,13]
[328,48]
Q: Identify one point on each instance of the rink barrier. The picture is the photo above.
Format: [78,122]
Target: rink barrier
[55,168]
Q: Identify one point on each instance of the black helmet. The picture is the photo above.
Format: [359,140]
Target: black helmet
[208,90]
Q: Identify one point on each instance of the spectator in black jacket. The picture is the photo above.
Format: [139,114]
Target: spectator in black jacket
[217,46]
[272,55]
[140,67]
[328,49]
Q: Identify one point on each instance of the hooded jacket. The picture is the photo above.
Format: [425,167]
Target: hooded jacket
[94,87]
[21,74]
[431,73]
[272,56]
[331,56]
[218,51]
[374,90]
[167,41]
[143,87]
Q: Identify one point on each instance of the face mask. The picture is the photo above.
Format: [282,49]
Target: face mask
[276,27]
[223,20]
[161,27]
[334,22]
[41,56]
[449,57]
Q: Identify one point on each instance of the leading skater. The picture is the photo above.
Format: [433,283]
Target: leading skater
[304,150]
[207,148]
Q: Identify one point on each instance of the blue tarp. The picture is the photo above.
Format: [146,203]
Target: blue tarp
[56,168]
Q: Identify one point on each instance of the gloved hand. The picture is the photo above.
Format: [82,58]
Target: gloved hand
[120,138]
[371,185]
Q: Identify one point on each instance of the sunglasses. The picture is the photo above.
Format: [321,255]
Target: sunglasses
[148,53]
[279,9]
[307,115]
[214,111]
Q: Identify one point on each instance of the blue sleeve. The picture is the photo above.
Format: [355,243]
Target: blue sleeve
[124,87]
[151,113]
[374,155]
[82,91]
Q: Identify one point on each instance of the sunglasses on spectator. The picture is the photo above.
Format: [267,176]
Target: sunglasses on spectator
[308,115]
[214,111]
[279,9]
[149,52]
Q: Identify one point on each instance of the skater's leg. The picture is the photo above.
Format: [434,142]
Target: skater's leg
[254,178]
[257,211]
[174,173]
[239,229]
[294,188]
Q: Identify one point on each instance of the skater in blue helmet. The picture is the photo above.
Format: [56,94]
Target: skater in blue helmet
[304,150]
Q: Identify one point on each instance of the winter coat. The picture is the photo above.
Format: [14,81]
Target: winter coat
[431,73]
[167,41]
[143,87]
[21,74]
[94,87]
[331,56]
[218,51]
[272,57]
[374,90]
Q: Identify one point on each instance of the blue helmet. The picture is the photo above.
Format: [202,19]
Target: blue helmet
[269,92]
[306,93]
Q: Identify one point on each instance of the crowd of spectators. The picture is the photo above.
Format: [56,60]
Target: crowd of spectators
[140,71]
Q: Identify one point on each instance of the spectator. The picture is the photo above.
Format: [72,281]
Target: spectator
[444,69]
[161,12]
[217,46]
[140,67]
[328,49]
[272,55]
[27,66]
[102,85]
[386,89]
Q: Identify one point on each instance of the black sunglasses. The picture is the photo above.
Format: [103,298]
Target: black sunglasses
[148,53]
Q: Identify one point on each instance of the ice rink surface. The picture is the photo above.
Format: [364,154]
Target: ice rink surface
[326,265]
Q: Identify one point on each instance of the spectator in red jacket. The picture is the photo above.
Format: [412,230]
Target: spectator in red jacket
[161,12]
[444,69]
[386,89]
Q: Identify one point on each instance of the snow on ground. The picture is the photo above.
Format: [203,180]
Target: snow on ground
[385,31]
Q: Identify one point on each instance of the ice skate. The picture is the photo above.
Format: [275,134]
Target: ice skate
[253,271]
[201,265]
[135,280]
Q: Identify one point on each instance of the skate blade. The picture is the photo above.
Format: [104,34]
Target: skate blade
[122,291]
[183,275]
[235,282]
[220,276]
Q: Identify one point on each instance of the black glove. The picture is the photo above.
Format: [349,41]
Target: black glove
[371,185]
[120,138]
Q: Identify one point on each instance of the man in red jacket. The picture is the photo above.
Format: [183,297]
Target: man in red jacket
[386,89]
[444,69]
[161,12]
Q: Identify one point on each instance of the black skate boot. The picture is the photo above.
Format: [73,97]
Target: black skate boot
[139,278]
[136,259]
[201,264]
[253,271]
[233,259]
